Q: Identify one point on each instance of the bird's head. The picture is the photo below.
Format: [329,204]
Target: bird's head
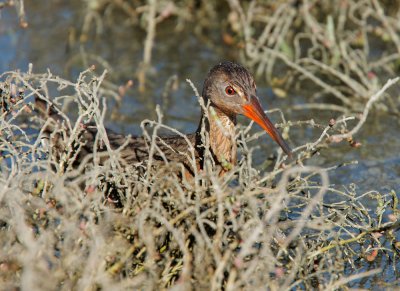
[231,88]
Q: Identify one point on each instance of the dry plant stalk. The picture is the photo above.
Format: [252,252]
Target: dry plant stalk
[231,232]
[20,9]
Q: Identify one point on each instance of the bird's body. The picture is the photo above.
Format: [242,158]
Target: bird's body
[229,89]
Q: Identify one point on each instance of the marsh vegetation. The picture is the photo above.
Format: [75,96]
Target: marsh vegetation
[325,219]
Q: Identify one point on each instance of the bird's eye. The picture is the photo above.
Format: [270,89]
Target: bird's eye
[230,91]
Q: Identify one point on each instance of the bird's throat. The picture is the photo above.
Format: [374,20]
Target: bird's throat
[222,137]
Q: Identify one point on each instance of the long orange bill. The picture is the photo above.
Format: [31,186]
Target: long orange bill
[254,111]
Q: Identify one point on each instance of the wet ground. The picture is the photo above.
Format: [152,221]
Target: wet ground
[51,41]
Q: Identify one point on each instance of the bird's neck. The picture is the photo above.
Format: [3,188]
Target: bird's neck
[221,130]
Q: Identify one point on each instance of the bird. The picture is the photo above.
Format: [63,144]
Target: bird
[229,90]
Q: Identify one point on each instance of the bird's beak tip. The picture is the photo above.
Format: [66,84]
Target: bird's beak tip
[254,111]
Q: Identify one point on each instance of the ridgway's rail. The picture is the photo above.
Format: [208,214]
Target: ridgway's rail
[229,89]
